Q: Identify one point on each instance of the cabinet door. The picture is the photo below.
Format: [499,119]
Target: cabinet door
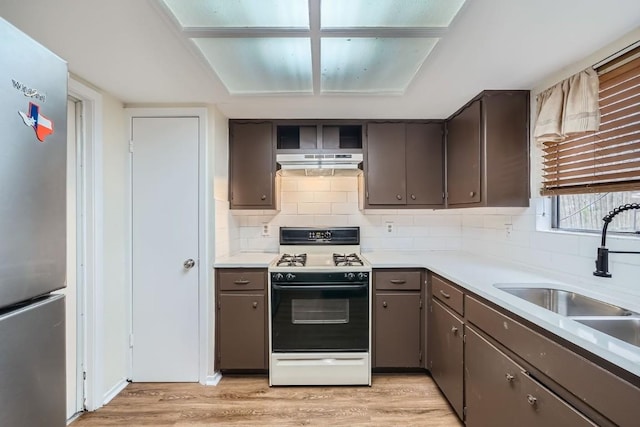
[397,330]
[499,393]
[252,165]
[463,156]
[507,148]
[425,164]
[386,164]
[241,343]
[446,349]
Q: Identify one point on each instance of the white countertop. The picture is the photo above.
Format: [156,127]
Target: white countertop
[478,274]
[246,259]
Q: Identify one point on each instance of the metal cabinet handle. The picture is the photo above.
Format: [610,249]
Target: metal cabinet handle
[384,304]
[454,330]
[241,282]
[444,294]
[398,281]
[509,377]
[190,263]
[472,193]
[413,197]
[532,400]
[255,304]
[264,197]
[399,197]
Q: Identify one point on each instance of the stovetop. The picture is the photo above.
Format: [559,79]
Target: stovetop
[323,260]
[320,250]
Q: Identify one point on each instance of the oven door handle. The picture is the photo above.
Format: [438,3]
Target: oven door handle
[320,287]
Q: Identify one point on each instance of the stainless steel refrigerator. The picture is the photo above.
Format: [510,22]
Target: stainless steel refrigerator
[33,134]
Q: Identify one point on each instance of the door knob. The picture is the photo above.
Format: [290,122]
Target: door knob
[264,197]
[399,197]
[413,197]
[190,263]
[384,304]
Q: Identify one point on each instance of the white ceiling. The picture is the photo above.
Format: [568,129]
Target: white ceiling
[130,49]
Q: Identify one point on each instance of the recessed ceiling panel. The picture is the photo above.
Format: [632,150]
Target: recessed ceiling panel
[388,13]
[240,13]
[383,65]
[260,65]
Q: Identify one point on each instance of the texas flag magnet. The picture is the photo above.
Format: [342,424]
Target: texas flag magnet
[40,124]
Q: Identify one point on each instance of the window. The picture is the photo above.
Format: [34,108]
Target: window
[585,211]
[594,172]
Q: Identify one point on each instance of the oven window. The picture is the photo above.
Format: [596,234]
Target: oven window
[319,311]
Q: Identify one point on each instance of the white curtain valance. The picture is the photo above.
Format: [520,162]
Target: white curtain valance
[569,107]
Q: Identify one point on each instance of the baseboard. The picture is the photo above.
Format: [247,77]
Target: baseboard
[120,385]
[213,379]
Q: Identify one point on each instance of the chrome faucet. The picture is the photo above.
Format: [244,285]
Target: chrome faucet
[602,260]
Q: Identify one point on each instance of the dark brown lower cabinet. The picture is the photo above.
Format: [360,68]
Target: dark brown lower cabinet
[242,331]
[446,346]
[397,330]
[241,319]
[500,393]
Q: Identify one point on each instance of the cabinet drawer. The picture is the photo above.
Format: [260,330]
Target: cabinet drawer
[239,279]
[396,280]
[613,397]
[448,294]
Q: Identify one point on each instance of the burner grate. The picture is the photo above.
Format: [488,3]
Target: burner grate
[347,260]
[295,260]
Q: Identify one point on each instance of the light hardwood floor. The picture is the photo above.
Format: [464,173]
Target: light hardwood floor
[392,400]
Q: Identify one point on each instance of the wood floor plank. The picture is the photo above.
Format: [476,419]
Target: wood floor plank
[392,400]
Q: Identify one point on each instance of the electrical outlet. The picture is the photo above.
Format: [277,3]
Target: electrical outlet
[265,229]
[508,229]
[390,227]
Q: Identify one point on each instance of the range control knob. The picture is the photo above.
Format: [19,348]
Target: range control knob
[277,276]
[290,276]
[350,276]
[362,276]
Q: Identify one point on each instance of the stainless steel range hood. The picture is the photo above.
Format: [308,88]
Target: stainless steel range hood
[320,164]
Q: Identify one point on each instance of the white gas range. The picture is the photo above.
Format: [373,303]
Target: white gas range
[320,309]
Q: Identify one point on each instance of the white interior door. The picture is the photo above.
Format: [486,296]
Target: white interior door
[165,249]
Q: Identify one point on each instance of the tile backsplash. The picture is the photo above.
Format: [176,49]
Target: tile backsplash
[512,234]
[333,201]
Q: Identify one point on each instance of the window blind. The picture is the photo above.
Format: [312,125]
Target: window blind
[608,159]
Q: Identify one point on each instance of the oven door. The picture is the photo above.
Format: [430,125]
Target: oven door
[320,317]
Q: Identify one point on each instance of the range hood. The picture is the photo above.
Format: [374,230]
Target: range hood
[317,164]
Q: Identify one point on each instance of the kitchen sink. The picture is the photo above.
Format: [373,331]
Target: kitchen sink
[565,303]
[623,328]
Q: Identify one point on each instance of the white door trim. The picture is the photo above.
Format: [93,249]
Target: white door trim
[205,210]
[92,250]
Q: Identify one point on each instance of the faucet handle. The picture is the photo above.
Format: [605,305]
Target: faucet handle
[602,263]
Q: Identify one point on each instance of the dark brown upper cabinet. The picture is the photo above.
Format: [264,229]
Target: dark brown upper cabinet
[252,166]
[404,165]
[487,151]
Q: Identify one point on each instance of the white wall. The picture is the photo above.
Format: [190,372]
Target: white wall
[117,211]
[227,236]
[333,201]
